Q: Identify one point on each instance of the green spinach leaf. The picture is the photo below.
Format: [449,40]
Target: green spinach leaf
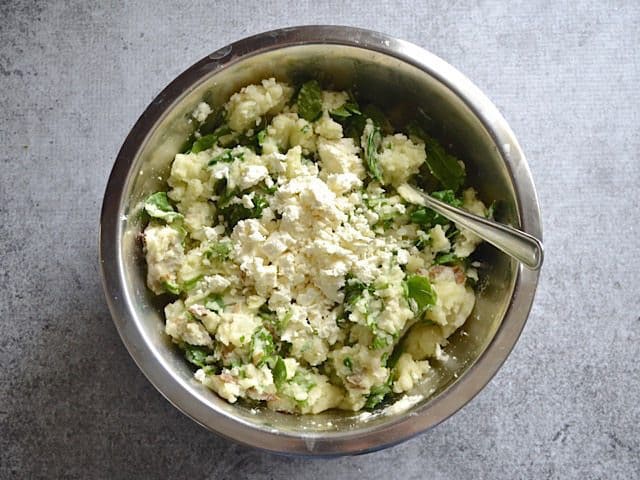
[279,372]
[189,284]
[374,139]
[171,287]
[445,167]
[420,293]
[227,156]
[427,217]
[446,259]
[196,355]
[207,141]
[353,290]
[346,110]
[158,206]
[310,101]
[236,212]
[218,251]
[214,302]
[377,394]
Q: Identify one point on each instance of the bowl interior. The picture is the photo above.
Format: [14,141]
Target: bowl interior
[398,87]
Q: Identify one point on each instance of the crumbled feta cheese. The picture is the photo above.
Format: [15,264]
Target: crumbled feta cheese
[201,112]
[252,175]
[340,156]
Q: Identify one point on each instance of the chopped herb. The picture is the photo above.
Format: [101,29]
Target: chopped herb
[186,146]
[210,123]
[443,166]
[310,101]
[267,315]
[346,110]
[214,302]
[395,355]
[285,349]
[491,210]
[377,395]
[303,380]
[353,290]
[204,143]
[189,284]
[371,153]
[272,189]
[213,121]
[260,137]
[420,293]
[171,287]
[237,212]
[384,358]
[236,362]
[158,206]
[452,233]
[446,259]
[211,370]
[447,196]
[224,193]
[352,126]
[227,156]
[348,363]
[379,342]
[196,355]
[263,341]
[429,218]
[218,251]
[421,243]
[271,321]
[207,141]
[279,372]
[386,222]
[282,323]
[254,138]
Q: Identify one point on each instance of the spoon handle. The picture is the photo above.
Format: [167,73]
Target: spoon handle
[520,245]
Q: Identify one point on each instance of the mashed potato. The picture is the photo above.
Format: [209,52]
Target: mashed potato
[299,277]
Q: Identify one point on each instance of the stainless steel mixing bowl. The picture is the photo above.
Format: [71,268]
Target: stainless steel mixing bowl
[399,76]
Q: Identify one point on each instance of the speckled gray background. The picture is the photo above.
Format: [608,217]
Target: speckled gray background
[74,76]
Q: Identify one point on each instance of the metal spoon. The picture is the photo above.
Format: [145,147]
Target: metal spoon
[515,243]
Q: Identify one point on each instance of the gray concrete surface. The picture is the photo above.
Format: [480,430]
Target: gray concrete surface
[74,76]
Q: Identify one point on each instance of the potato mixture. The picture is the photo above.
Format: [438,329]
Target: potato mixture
[296,276]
